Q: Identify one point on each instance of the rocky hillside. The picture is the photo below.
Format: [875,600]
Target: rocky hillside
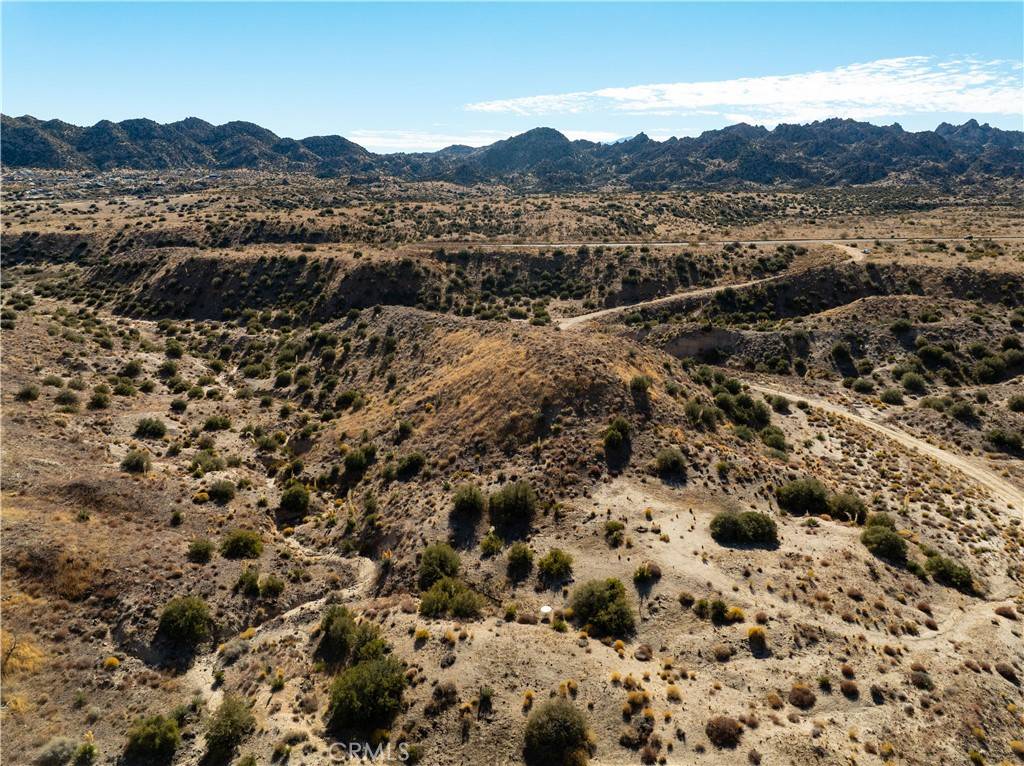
[834,152]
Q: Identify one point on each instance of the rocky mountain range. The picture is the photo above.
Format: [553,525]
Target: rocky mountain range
[832,152]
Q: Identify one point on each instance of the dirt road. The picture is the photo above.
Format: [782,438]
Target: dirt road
[995,484]
[570,323]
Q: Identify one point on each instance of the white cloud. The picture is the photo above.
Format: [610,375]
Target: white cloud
[882,88]
[591,135]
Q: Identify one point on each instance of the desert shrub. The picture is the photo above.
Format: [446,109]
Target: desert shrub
[801,696]
[803,496]
[185,621]
[136,461]
[469,501]
[646,574]
[271,586]
[863,386]
[744,528]
[337,634]
[723,731]
[913,383]
[200,551]
[217,423]
[438,561]
[616,435]
[950,573]
[100,400]
[295,500]
[153,739]
[520,561]
[847,507]
[450,596]
[555,565]
[614,532]
[513,504]
[359,459]
[602,605]
[150,428]
[241,544]
[27,393]
[884,542]
[670,462]
[556,735]
[1004,440]
[491,544]
[891,396]
[366,696]
[1016,403]
[221,491]
[227,727]
[743,409]
[773,437]
[57,752]
[962,411]
[67,398]
[410,465]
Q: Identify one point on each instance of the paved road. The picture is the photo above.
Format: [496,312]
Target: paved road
[570,323]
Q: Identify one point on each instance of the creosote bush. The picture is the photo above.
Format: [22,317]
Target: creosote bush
[555,565]
[150,428]
[602,606]
[295,500]
[556,735]
[136,461]
[744,528]
[450,596]
[227,727]
[513,504]
[185,621]
[469,501]
[437,561]
[153,739]
[880,537]
[803,496]
[241,544]
[366,696]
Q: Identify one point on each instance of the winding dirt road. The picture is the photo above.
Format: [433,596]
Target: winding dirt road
[995,484]
[571,323]
[1001,489]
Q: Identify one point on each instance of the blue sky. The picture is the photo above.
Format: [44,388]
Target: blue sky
[411,77]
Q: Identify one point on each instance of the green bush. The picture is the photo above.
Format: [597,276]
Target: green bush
[846,506]
[885,543]
[153,739]
[513,504]
[616,435]
[1016,403]
[241,544]
[136,461]
[469,501]
[438,560]
[221,491]
[1004,440]
[744,528]
[410,465]
[950,573]
[27,393]
[555,565]
[913,383]
[295,500]
[803,496]
[227,727]
[150,428]
[366,696]
[450,595]
[520,561]
[670,462]
[200,551]
[892,396]
[602,605]
[217,423]
[185,621]
[337,634]
[271,586]
[556,735]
